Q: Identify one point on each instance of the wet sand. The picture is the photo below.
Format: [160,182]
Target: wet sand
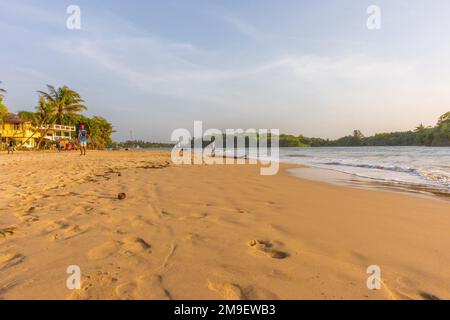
[349,180]
[208,232]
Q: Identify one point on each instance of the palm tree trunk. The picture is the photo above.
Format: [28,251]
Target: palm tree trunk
[45,133]
[35,131]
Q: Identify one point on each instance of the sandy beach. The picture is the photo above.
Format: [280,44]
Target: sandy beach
[209,232]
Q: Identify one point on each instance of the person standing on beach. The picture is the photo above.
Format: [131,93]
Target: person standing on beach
[213,149]
[178,146]
[82,136]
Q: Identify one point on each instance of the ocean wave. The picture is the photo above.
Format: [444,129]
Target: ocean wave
[416,166]
[371,166]
[434,177]
[441,178]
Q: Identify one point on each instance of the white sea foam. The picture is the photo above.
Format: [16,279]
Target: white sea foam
[426,166]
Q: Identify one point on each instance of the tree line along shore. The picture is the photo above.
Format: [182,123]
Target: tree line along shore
[438,135]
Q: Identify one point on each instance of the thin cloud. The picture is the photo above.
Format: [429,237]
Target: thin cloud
[254,33]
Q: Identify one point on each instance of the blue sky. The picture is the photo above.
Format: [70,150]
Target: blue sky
[309,67]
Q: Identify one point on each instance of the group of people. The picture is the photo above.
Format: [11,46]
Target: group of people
[82,138]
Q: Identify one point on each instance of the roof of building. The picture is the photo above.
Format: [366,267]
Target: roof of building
[14,119]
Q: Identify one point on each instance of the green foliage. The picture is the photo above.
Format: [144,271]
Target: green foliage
[61,103]
[442,131]
[45,112]
[313,142]
[407,138]
[100,131]
[29,116]
[2,92]
[424,136]
[3,108]
[290,141]
[421,136]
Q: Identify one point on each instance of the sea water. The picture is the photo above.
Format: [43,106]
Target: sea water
[416,166]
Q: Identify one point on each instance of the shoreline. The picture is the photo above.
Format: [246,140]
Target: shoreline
[352,180]
[339,178]
[319,174]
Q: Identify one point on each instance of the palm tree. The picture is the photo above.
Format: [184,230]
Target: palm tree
[444,118]
[419,128]
[45,112]
[58,105]
[64,101]
[44,115]
[28,116]
[2,92]
[3,108]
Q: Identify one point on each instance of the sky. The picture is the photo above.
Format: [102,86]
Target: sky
[304,67]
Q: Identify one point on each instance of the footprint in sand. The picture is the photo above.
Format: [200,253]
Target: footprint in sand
[129,246]
[257,293]
[229,291]
[126,291]
[195,216]
[133,245]
[56,225]
[83,210]
[104,250]
[88,209]
[68,233]
[147,287]
[399,288]
[7,231]
[165,214]
[141,221]
[8,260]
[193,238]
[150,287]
[27,218]
[268,248]
[62,230]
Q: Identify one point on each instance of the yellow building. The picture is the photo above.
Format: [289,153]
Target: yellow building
[19,131]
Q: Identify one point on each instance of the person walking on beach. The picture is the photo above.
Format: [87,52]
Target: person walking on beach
[82,136]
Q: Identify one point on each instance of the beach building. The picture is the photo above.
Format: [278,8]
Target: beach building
[22,133]
[57,132]
[19,131]
[59,135]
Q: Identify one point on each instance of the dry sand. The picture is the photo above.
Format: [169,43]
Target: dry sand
[208,232]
